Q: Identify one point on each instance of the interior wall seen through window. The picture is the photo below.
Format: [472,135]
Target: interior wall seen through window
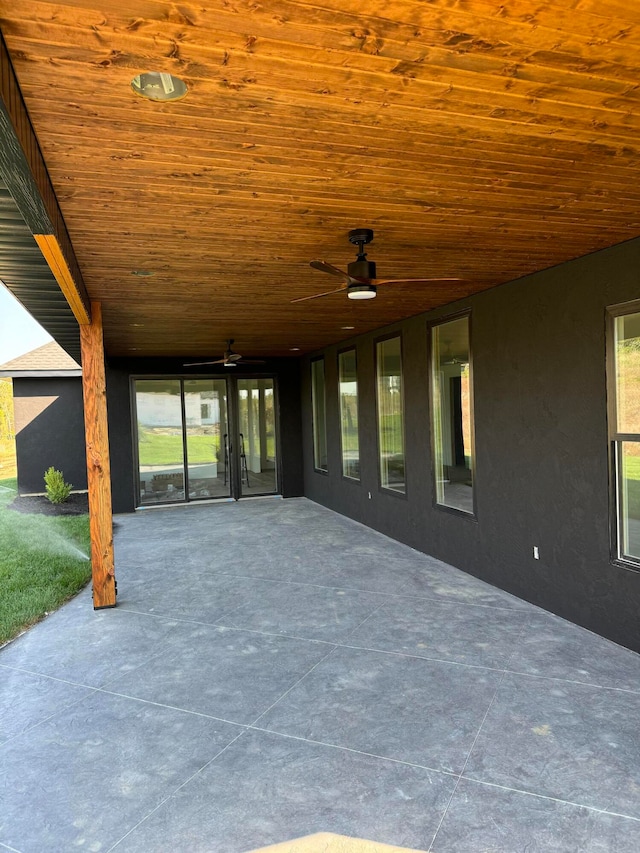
[452,414]
[319,414]
[348,391]
[390,414]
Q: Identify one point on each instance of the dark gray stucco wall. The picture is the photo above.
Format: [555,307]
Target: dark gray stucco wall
[540,438]
[120,438]
[49,431]
[119,373]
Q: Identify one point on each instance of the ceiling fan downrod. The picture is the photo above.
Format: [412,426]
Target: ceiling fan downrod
[360,237]
[361,268]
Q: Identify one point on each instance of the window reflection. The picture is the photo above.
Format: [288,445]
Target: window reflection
[390,415]
[257,438]
[319,414]
[348,390]
[205,404]
[166,442]
[627,384]
[160,446]
[452,414]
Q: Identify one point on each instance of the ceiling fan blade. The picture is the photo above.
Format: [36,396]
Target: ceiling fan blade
[326,293]
[379,281]
[323,266]
[199,363]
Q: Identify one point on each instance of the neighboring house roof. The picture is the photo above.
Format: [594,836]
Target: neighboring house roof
[47,360]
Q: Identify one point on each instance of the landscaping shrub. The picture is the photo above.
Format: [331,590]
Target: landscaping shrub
[57,490]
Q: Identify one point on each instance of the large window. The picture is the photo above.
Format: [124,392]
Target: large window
[390,414]
[452,414]
[624,423]
[348,390]
[319,413]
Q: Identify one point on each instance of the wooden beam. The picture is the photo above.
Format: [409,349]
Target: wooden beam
[23,170]
[53,254]
[98,467]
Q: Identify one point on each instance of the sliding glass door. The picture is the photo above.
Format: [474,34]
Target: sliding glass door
[205,438]
[160,440]
[257,436]
[205,417]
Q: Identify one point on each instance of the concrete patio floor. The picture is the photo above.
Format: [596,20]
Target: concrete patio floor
[274,670]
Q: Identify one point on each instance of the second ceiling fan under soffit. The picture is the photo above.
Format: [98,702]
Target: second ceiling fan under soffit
[229,359]
[360,280]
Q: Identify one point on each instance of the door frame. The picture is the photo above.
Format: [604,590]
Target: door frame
[233,424]
[233,410]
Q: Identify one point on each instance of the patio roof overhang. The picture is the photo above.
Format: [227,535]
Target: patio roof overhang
[37,261]
[484,145]
[478,143]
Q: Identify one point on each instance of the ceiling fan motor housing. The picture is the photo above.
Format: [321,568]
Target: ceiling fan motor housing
[362,269]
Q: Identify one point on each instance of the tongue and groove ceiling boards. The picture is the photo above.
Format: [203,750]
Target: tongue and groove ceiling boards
[479,141]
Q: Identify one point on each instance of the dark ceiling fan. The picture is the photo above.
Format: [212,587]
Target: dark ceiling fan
[360,280]
[229,359]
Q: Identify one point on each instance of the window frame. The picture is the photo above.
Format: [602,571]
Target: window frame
[339,354]
[616,438]
[431,325]
[314,361]
[377,341]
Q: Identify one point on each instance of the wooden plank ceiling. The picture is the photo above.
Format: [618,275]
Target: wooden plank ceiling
[478,140]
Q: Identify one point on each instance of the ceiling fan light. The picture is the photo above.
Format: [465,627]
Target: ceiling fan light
[230,364]
[361,291]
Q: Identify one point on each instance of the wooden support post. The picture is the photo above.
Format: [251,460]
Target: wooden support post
[98,468]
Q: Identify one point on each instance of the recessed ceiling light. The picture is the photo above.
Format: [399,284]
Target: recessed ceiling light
[137,325]
[347,328]
[294,349]
[158,86]
[142,272]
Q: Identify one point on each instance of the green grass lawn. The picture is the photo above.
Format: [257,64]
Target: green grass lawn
[165,448]
[161,448]
[632,475]
[40,564]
